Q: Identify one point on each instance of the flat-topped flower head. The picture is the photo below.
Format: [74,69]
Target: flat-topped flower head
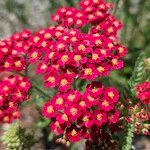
[73,113]
[83,45]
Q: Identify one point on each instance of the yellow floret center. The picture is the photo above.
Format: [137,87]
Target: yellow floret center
[94,56]
[101,69]
[34,55]
[105,103]
[81,48]
[114,61]
[99,117]
[111,94]
[77,57]
[64,58]
[61,45]
[23,84]
[63,82]
[88,71]
[59,101]
[73,111]
[85,119]
[73,132]
[82,103]
[18,64]
[51,79]
[90,98]
[71,97]
[50,109]
[98,42]
[65,117]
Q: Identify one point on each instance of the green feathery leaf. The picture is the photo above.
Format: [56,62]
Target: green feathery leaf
[138,73]
[129,136]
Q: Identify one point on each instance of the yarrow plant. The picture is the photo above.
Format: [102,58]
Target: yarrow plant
[76,115]
[14,90]
[72,57]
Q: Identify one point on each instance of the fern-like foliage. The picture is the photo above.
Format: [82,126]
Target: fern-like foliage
[129,136]
[137,77]
[138,73]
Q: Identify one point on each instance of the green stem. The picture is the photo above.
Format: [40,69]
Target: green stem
[129,136]
[41,91]
[116,6]
[27,66]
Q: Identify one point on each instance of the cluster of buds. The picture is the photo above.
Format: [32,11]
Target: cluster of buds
[76,115]
[17,138]
[140,114]
[143,92]
[147,64]
[13,91]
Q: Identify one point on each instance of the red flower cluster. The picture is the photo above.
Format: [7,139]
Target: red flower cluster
[90,11]
[13,52]
[94,12]
[13,91]
[75,115]
[64,52]
[143,92]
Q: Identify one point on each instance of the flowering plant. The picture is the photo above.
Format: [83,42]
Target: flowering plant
[72,58]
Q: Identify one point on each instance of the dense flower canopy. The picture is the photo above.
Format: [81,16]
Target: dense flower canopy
[75,114]
[82,45]
[73,52]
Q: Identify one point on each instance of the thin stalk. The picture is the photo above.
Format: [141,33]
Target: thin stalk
[116,6]
[41,91]
[27,66]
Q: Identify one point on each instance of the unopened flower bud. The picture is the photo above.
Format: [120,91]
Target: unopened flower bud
[63,141]
[147,126]
[67,143]
[147,64]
